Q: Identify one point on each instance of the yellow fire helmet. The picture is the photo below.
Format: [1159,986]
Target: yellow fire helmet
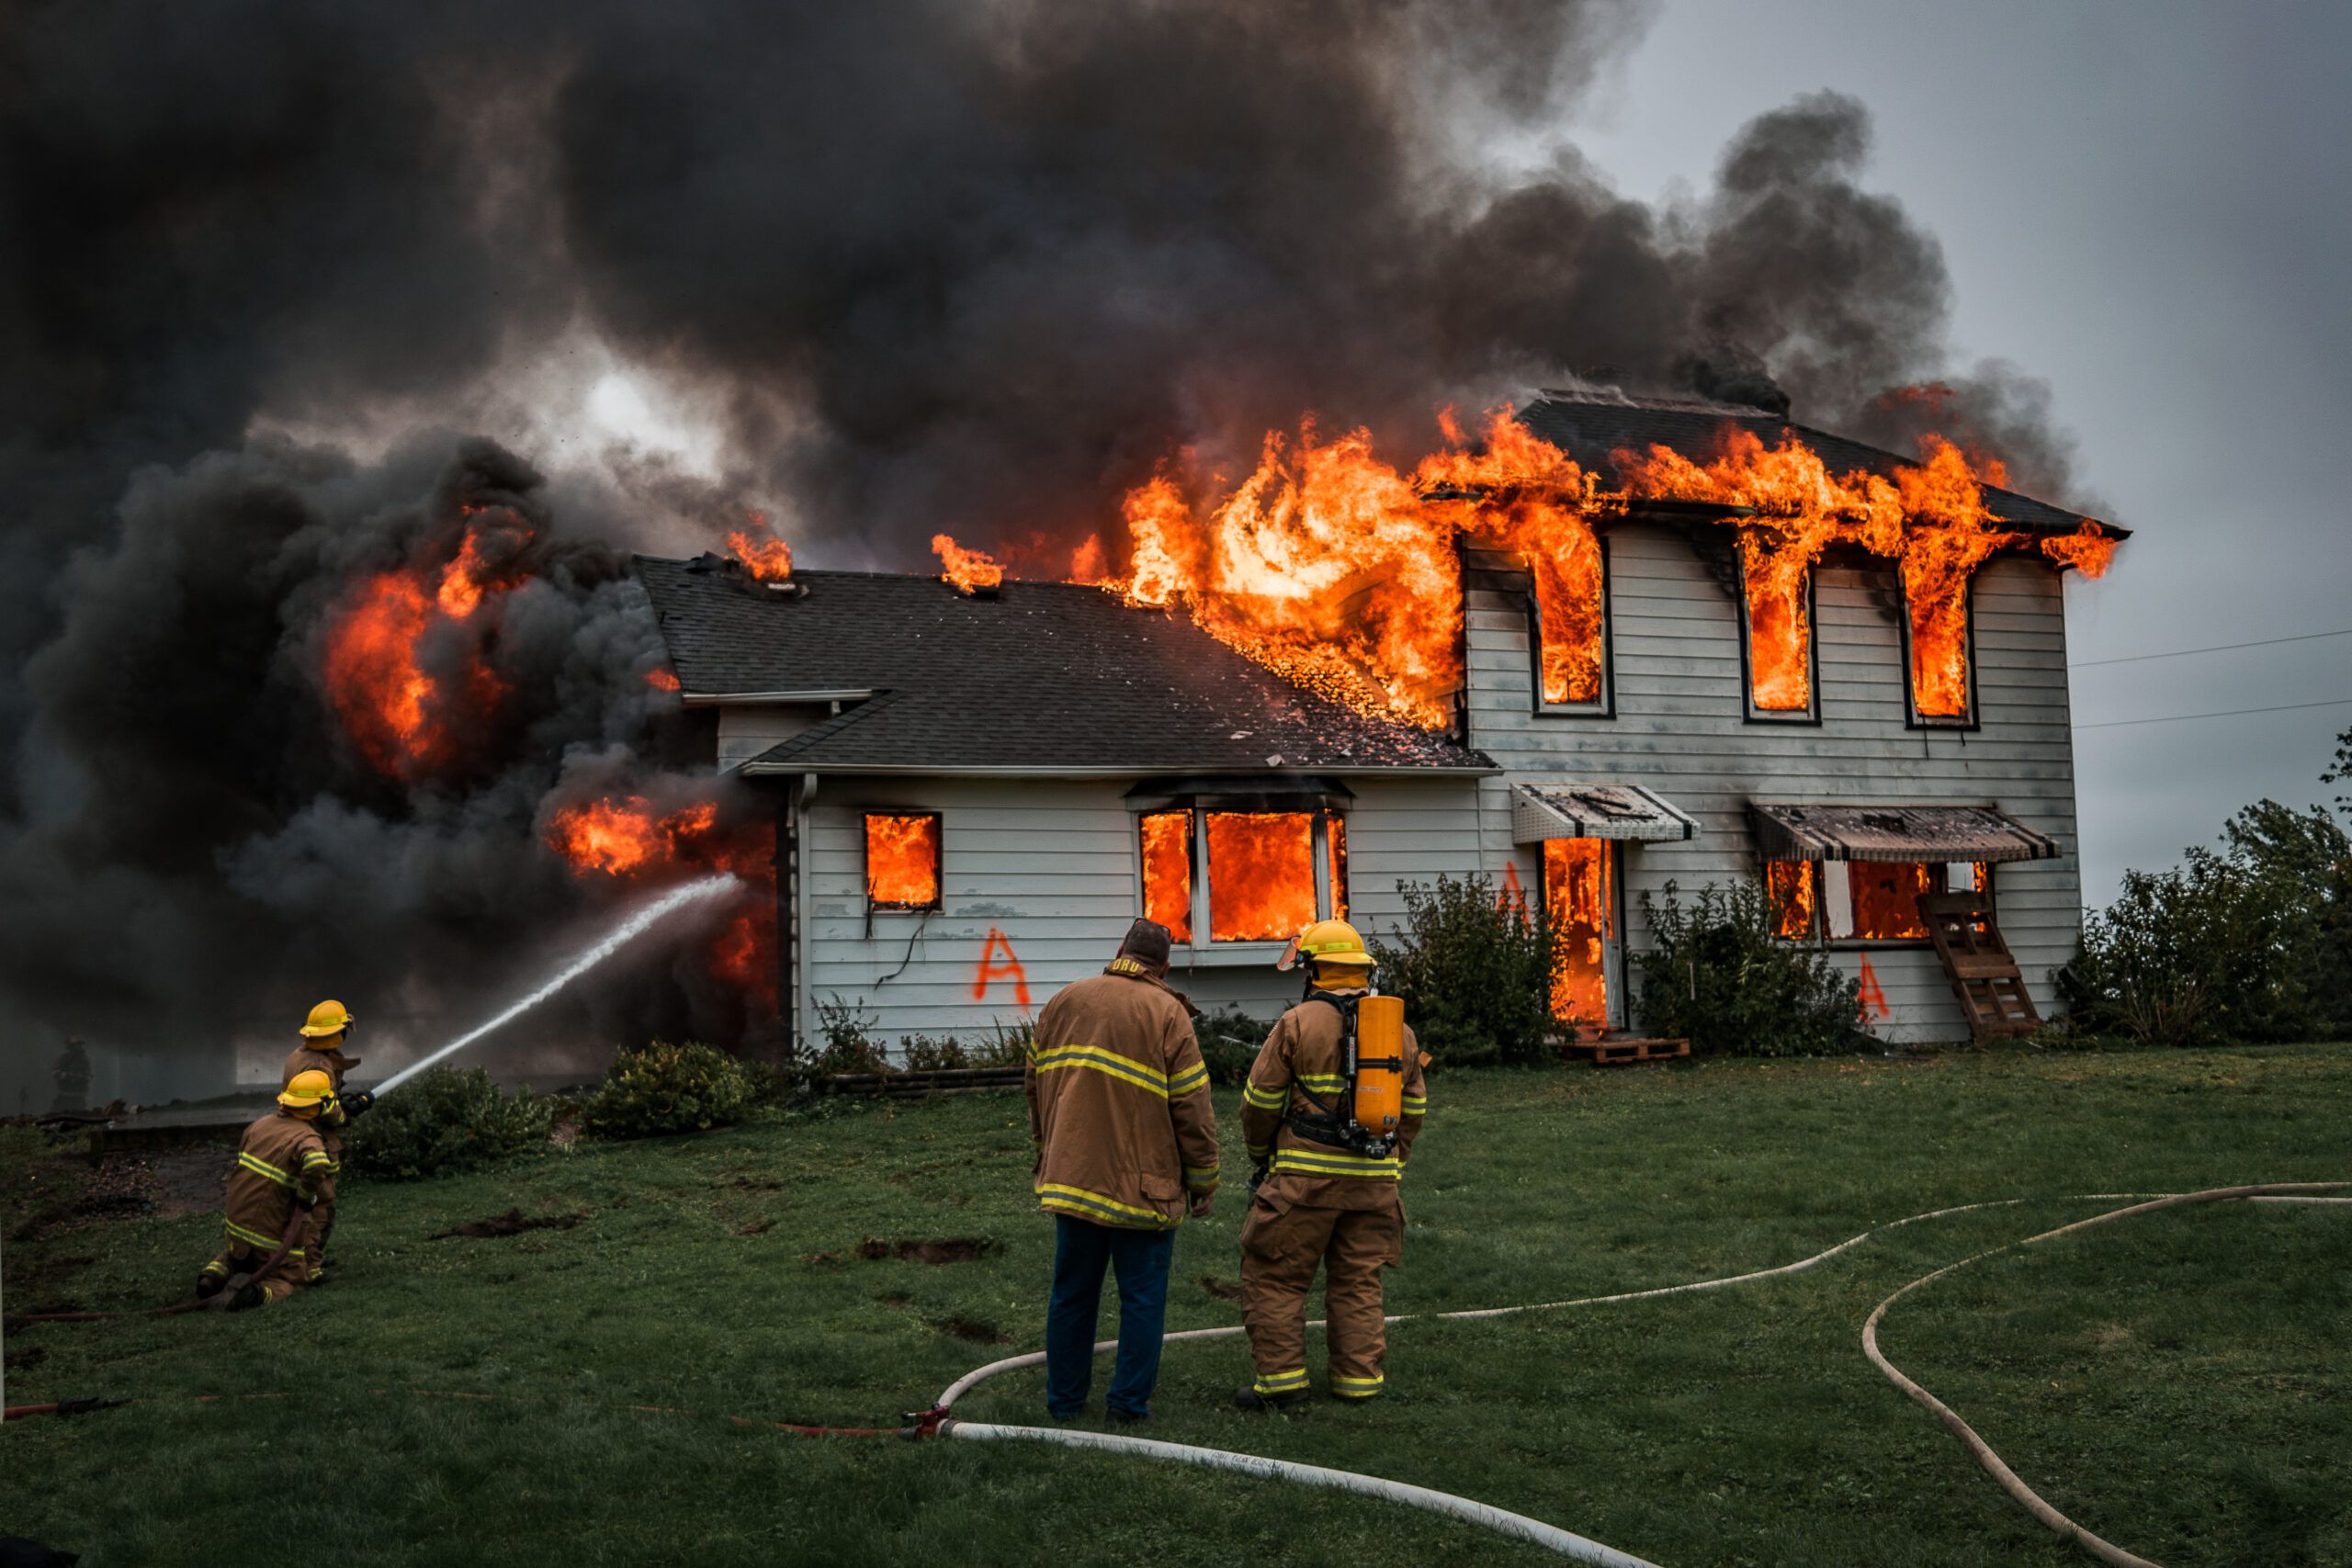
[327,1018]
[1327,941]
[310,1090]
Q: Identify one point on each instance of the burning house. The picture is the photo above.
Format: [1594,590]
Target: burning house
[1615,645]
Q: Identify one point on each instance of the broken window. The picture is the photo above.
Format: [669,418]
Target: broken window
[902,860]
[1267,875]
[1168,871]
[1776,612]
[1862,900]
[1937,648]
[1571,625]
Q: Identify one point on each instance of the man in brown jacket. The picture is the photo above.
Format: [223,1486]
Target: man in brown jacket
[1127,1144]
[1319,1203]
[323,1035]
[281,1165]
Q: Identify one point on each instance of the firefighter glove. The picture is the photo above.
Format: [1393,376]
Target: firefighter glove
[355,1103]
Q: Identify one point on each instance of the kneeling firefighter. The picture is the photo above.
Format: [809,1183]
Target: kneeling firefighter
[282,1162]
[324,1034]
[1330,1114]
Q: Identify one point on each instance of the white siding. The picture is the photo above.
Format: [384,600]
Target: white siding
[746,729]
[1054,867]
[1679,730]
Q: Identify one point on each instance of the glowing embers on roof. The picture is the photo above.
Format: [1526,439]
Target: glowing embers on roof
[1168,871]
[1580,908]
[1262,875]
[902,860]
[971,571]
[763,555]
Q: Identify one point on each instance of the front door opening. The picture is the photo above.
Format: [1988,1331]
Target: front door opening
[1580,907]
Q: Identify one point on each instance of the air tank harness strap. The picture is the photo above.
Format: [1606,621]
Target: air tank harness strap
[1335,1123]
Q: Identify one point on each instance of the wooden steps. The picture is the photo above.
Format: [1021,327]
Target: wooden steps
[1978,962]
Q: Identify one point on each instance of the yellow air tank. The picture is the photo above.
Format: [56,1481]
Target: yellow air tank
[1380,1064]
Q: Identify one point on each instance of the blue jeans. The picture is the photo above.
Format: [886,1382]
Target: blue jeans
[1081,1251]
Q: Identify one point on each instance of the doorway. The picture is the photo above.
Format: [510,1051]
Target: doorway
[1581,878]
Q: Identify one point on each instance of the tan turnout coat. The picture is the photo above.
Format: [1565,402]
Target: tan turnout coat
[1303,1053]
[1119,1102]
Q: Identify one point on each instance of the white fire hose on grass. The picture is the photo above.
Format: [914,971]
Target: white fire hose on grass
[1576,1548]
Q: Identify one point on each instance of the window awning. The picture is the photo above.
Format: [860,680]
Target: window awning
[1594,811]
[1792,831]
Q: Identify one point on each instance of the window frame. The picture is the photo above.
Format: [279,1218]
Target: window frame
[1819,935]
[938,866]
[1913,718]
[1326,875]
[1810,715]
[1605,706]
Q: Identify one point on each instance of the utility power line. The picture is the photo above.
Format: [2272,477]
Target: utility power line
[2217,648]
[2223,713]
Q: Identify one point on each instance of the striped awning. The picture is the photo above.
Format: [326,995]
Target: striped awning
[1794,831]
[1594,811]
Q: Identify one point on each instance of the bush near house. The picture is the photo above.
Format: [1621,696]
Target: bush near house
[668,1088]
[1718,977]
[2251,940]
[1475,972]
[1229,1041]
[450,1119]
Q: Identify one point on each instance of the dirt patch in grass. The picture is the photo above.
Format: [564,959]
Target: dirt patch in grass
[757,1227]
[894,1299]
[958,1249]
[513,1222]
[970,1330]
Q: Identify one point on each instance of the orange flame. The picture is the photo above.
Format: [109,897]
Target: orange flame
[408,722]
[1789,889]
[1579,907]
[663,679]
[969,570]
[2090,549]
[1262,875]
[763,555]
[1087,564]
[622,837]
[1886,897]
[902,860]
[1168,871]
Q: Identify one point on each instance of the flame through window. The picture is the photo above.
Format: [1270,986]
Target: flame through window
[1780,628]
[1268,874]
[902,860]
[1862,900]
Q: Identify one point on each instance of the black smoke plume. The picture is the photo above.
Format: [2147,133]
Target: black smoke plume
[924,264]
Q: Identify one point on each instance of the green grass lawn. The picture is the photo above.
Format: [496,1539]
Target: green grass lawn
[2180,1383]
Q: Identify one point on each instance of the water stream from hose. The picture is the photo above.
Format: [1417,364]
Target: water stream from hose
[620,936]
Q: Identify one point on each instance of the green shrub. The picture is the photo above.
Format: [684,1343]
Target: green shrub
[2250,942]
[448,1120]
[1719,978]
[1474,974]
[850,1045]
[668,1088]
[1229,1041]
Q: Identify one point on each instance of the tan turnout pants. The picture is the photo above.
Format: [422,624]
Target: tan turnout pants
[1282,1242]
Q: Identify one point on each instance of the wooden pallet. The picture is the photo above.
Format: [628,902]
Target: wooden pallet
[1607,1053]
[1978,962]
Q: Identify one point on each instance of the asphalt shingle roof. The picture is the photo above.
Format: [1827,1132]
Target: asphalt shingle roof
[1589,431]
[1047,675]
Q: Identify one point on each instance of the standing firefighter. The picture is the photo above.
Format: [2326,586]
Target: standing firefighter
[323,1035]
[1127,1144]
[1330,1114]
[282,1163]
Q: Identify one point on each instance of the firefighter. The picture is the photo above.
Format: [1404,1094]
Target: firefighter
[1126,1147]
[323,1035]
[1318,1202]
[282,1163]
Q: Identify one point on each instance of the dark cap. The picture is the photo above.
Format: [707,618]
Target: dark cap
[1147,939]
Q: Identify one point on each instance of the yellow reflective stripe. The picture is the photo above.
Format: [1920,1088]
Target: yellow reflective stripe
[1280,1383]
[1337,1164]
[316,1157]
[1257,1151]
[264,1169]
[1125,1068]
[216,1267]
[1323,1083]
[1265,1099]
[1054,1195]
[1416,1100]
[1373,1381]
[268,1244]
[1195,1175]
[1195,1077]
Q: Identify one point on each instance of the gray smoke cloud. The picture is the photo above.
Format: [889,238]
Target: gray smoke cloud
[924,264]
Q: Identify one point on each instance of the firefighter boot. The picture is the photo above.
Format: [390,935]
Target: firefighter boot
[1288,1399]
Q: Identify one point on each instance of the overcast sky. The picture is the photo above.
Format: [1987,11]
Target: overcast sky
[2148,205]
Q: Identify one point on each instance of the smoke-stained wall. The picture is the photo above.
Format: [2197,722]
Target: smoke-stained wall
[912,265]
